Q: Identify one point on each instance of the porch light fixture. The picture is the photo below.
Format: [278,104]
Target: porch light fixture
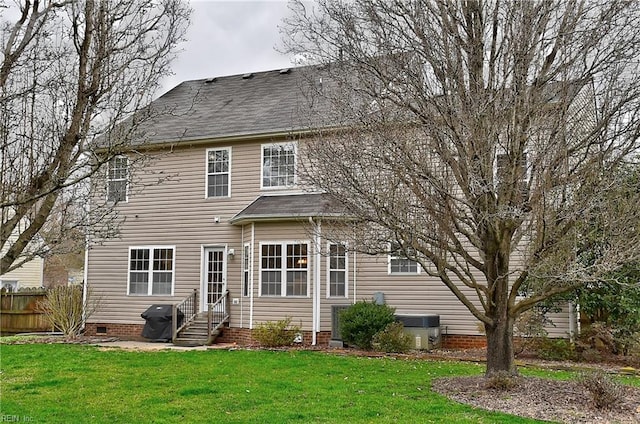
[231,252]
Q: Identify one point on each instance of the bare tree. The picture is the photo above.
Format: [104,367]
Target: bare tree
[476,136]
[70,71]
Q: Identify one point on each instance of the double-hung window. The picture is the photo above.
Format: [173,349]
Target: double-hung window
[337,270]
[151,270]
[117,179]
[218,172]
[278,165]
[284,269]
[400,264]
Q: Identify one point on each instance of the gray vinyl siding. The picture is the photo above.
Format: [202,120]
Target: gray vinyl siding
[413,294]
[177,213]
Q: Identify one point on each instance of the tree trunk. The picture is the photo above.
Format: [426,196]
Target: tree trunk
[500,331]
[500,347]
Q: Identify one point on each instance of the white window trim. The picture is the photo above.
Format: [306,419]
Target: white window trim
[295,165]
[150,270]
[284,269]
[346,271]
[126,180]
[206,173]
[391,257]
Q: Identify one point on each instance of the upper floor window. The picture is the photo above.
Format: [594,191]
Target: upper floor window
[117,179]
[218,172]
[284,269]
[337,270]
[151,270]
[400,264]
[278,165]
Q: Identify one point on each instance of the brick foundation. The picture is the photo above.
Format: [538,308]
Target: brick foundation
[455,341]
[122,331]
[242,336]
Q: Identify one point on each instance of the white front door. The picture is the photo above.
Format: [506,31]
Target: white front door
[214,274]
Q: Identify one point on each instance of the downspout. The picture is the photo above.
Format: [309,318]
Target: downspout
[251,247]
[355,285]
[85,282]
[318,274]
[242,277]
[315,314]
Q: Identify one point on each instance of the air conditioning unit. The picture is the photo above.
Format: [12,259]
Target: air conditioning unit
[424,330]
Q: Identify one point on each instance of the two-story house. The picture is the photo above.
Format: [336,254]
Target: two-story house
[231,216]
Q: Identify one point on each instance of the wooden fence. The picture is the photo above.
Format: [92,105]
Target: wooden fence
[18,313]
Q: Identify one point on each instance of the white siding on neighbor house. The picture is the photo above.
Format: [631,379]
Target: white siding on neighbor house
[28,275]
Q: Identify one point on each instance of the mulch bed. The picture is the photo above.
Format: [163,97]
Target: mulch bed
[542,399]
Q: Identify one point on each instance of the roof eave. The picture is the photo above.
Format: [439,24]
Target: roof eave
[247,219]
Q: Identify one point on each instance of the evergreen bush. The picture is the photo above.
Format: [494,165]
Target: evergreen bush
[362,320]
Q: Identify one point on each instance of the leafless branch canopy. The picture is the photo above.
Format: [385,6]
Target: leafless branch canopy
[480,136]
[70,71]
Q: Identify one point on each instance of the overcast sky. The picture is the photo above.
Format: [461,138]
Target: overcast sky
[230,37]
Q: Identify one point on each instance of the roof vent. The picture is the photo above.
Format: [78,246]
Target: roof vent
[210,80]
[247,76]
[285,71]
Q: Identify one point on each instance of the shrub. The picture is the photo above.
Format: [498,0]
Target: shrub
[605,392]
[362,320]
[392,339]
[502,381]
[615,305]
[529,329]
[64,308]
[276,333]
[599,337]
[555,349]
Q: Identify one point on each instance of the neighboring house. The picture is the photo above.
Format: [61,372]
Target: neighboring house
[63,270]
[230,215]
[28,275]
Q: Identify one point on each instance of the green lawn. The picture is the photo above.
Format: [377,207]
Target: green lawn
[69,383]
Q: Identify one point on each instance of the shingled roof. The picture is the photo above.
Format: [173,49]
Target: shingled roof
[253,104]
[287,207]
